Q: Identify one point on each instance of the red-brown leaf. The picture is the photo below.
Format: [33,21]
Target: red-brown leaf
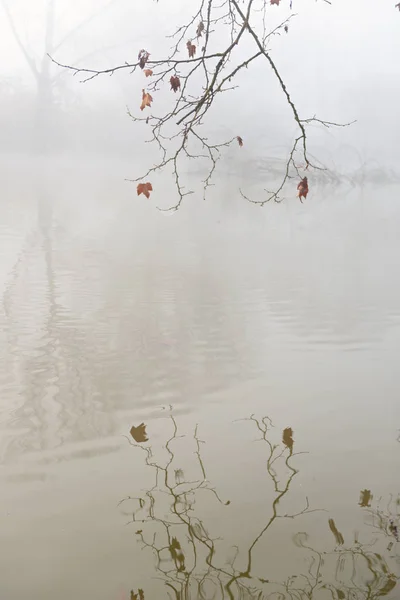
[191,49]
[302,189]
[240,140]
[144,188]
[147,99]
[275,2]
[175,83]
[148,72]
[143,57]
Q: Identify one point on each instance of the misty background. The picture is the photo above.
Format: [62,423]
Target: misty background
[339,62]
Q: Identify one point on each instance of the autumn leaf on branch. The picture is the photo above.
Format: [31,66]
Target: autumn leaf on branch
[302,189]
[144,188]
[147,99]
[139,433]
[191,49]
[200,29]
[175,83]
[143,57]
[177,132]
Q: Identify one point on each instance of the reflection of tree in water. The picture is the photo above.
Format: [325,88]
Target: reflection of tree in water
[49,356]
[189,560]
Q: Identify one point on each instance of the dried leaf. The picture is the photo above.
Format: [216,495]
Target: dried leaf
[365,498]
[143,57]
[191,49]
[275,2]
[175,83]
[200,29]
[147,99]
[141,594]
[338,536]
[287,437]
[148,72]
[139,433]
[240,140]
[302,189]
[144,188]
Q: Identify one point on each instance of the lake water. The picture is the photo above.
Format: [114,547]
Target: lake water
[259,347]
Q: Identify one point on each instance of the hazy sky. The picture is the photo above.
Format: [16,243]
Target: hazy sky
[339,61]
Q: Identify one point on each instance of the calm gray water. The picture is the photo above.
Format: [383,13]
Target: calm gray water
[218,327]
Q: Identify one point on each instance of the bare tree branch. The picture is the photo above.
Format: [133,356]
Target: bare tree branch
[178,133]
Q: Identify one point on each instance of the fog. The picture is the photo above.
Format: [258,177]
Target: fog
[339,63]
[199,403]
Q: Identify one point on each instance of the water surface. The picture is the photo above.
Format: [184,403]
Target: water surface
[218,327]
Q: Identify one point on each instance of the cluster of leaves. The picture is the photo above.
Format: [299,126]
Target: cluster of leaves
[210,41]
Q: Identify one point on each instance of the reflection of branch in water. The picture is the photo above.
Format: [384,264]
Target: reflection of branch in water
[387,519]
[186,554]
[357,573]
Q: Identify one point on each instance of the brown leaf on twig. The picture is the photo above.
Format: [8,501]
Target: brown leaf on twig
[191,49]
[287,437]
[139,433]
[148,72]
[144,188]
[240,140]
[302,189]
[147,99]
[275,2]
[175,83]
[143,57]
[200,29]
